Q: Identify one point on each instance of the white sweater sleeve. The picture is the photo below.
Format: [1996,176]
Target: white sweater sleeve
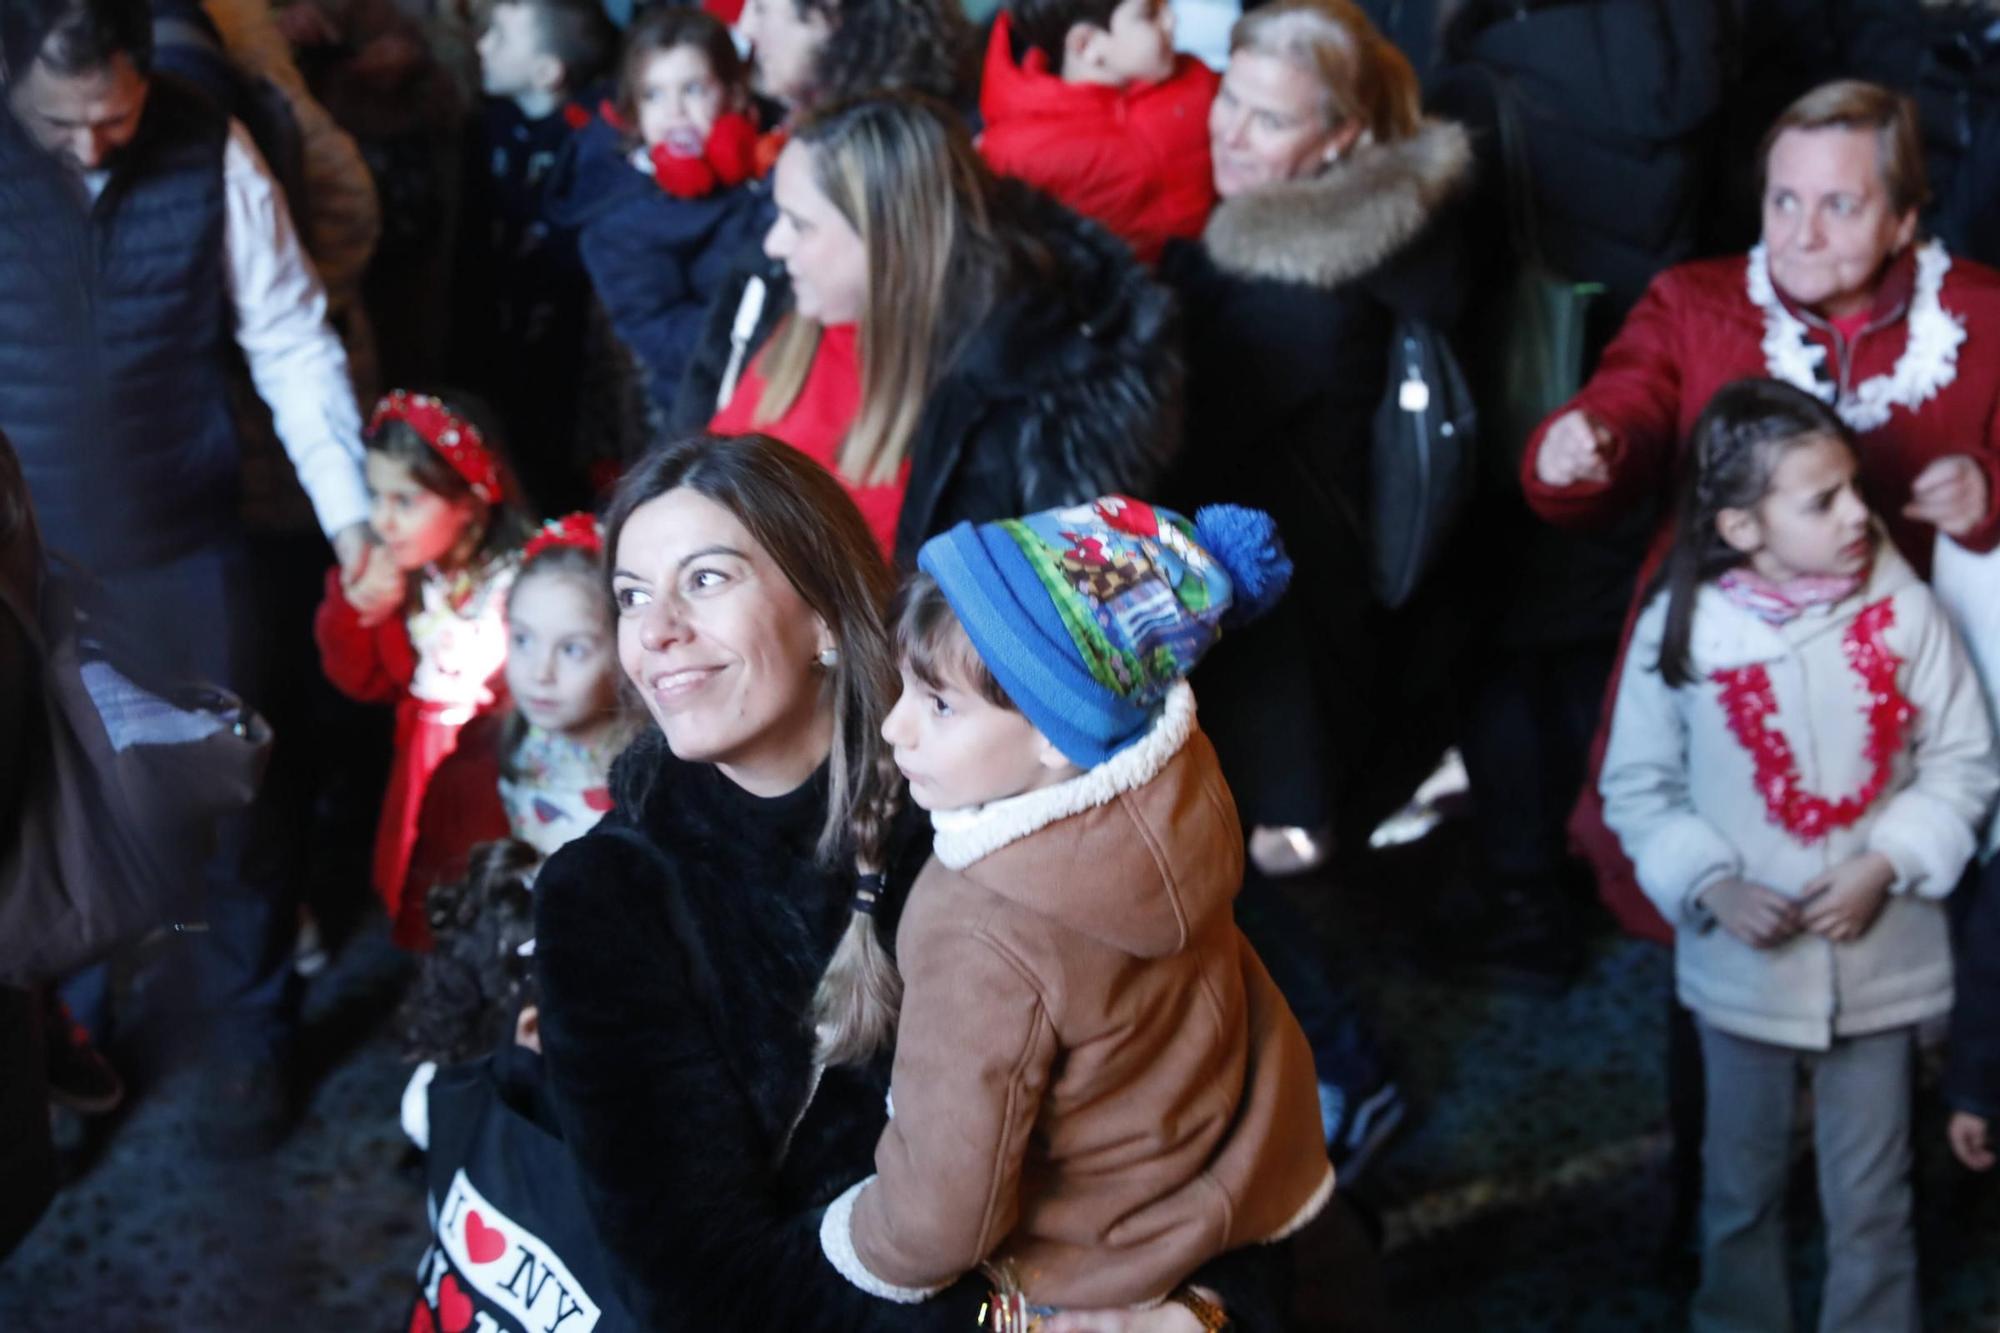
[1647,803]
[295,358]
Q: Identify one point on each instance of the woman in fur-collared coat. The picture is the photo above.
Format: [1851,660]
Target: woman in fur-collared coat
[1335,219]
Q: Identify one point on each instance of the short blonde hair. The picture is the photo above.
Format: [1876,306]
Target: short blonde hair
[1367,80]
[1851,104]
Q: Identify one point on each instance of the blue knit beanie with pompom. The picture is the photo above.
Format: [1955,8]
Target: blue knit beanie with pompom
[1087,615]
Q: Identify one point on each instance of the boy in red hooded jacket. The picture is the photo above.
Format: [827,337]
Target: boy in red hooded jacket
[1086,100]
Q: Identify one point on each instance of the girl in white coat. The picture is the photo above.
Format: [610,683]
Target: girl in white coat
[1799,759]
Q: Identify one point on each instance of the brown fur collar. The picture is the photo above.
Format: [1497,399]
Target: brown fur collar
[1327,229]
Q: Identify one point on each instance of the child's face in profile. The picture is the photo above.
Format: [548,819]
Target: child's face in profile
[958,749]
[1811,521]
[1136,47]
[512,61]
[679,98]
[562,661]
[417,526]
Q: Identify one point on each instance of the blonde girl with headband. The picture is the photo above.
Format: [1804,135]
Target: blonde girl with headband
[422,622]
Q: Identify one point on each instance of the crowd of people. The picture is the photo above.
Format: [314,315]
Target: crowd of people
[790,473]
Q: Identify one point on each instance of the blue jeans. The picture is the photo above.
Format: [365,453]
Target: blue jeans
[190,619]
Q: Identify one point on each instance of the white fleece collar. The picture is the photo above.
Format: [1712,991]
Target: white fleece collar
[965,836]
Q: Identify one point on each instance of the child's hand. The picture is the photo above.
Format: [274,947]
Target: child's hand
[1843,903]
[1761,917]
[1969,1143]
[374,588]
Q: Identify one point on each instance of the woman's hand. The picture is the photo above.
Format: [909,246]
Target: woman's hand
[1761,917]
[1166,1317]
[1969,1142]
[1950,495]
[1576,448]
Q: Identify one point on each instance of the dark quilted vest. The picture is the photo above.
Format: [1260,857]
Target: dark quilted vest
[115,331]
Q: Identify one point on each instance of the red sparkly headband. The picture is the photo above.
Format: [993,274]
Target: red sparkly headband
[456,440]
[578,531]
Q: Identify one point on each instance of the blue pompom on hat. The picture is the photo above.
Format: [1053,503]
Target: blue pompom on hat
[1088,614]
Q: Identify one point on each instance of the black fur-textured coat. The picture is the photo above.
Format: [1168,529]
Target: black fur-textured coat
[1069,388]
[678,945]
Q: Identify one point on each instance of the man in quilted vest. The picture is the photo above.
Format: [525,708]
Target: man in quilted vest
[143,243]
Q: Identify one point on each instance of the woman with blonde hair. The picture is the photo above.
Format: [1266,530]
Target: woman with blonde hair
[950,346]
[1334,222]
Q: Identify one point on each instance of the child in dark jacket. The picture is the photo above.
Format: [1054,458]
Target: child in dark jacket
[522,297]
[511,1245]
[657,188]
[1086,100]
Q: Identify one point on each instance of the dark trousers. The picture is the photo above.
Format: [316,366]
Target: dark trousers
[1345,1050]
[193,619]
[1526,742]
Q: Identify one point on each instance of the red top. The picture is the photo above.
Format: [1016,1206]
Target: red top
[817,424]
[1849,327]
[1133,158]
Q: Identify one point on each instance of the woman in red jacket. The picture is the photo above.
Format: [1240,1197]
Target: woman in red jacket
[1842,299]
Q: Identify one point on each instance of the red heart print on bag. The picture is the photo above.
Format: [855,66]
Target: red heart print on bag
[483,1244]
[454,1306]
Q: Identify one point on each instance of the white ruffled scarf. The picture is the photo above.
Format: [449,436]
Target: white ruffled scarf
[1930,356]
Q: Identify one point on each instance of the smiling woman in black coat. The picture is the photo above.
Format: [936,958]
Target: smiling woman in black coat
[680,944]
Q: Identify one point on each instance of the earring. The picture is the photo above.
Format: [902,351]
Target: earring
[829,658]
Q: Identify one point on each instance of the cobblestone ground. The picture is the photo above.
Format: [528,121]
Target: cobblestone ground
[1529,1191]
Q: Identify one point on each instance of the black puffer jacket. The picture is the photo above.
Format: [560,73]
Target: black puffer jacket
[1067,389]
[678,945]
[1618,101]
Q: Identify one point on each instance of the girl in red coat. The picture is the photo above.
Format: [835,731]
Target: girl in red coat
[422,623]
[540,775]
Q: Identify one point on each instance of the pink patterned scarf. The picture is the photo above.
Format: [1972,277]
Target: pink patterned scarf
[1777,603]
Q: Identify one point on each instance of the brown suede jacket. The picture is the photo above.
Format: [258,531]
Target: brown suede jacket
[1096,1082]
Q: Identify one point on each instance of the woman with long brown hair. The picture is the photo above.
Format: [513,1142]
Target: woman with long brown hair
[682,943]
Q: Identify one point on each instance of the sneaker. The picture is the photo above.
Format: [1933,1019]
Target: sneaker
[1280,851]
[246,1109]
[309,951]
[1357,1128]
[80,1078]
